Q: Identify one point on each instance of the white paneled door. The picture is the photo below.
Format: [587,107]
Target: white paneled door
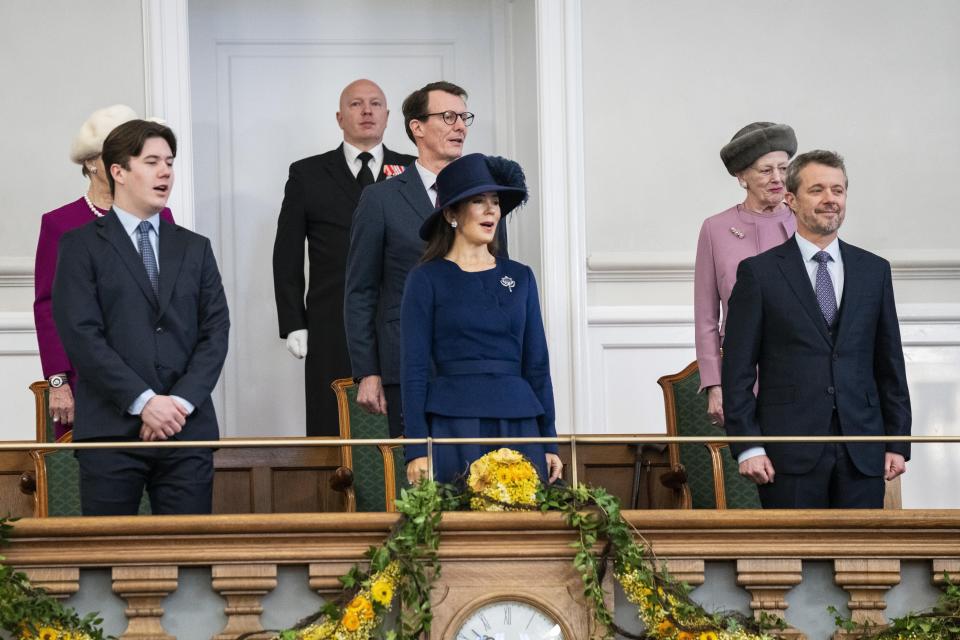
[265,82]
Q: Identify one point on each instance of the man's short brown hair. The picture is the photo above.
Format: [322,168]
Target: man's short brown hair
[417,103]
[817,156]
[126,141]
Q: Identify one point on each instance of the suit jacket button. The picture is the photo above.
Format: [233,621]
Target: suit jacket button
[836,356]
[159,329]
[830,390]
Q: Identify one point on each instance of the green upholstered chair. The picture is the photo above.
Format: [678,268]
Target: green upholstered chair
[712,477]
[57,472]
[379,472]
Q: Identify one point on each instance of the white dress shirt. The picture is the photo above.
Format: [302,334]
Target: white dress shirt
[835,268]
[350,152]
[130,223]
[429,182]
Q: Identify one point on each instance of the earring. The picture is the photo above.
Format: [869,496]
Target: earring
[92,169]
[453,224]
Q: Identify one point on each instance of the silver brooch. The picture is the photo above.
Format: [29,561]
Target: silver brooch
[736,232]
[508,282]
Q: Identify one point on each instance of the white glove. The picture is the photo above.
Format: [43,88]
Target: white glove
[297,343]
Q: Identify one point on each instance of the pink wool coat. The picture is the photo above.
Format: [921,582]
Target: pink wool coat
[725,239]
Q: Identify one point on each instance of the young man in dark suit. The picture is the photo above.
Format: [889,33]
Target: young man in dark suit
[140,309]
[815,319]
[321,195]
[385,245]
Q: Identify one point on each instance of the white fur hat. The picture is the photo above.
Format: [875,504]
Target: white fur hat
[88,142]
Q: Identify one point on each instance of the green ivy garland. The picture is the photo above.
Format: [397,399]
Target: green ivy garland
[28,612]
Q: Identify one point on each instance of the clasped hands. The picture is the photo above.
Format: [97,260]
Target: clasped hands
[760,468]
[163,417]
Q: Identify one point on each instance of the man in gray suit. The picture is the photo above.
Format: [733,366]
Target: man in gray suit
[385,245]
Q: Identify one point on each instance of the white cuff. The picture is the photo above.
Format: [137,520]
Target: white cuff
[752,452]
[137,405]
[185,404]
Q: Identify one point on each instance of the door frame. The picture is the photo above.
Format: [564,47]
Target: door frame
[560,107]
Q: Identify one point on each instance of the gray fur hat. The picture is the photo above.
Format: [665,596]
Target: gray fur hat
[755,140]
[88,142]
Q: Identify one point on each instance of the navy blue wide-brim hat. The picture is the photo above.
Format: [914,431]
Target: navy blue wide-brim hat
[472,174]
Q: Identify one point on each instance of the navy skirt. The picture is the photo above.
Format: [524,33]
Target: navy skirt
[451,463]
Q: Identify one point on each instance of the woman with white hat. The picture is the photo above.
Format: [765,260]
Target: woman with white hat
[474,354]
[757,157]
[97,201]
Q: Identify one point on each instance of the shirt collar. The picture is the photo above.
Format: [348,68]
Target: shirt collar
[429,178]
[808,249]
[351,152]
[130,222]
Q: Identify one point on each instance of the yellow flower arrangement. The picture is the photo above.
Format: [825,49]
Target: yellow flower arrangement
[362,616]
[51,633]
[503,480]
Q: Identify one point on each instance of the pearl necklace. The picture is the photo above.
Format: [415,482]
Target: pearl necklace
[93,209]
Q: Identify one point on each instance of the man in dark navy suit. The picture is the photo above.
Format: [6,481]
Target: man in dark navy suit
[321,195]
[140,308]
[385,245]
[815,319]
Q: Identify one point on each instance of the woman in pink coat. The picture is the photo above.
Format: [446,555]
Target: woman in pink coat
[757,156]
[84,151]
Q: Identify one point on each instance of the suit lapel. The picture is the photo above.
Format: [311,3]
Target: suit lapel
[113,232]
[854,283]
[414,193]
[794,272]
[172,247]
[336,167]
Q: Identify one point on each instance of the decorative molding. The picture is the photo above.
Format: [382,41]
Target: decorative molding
[911,315]
[144,588]
[561,194]
[243,586]
[16,271]
[678,266]
[166,58]
[18,335]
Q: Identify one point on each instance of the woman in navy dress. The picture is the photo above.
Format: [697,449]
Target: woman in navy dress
[474,353]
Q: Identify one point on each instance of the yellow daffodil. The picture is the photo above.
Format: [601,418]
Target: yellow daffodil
[684,635]
[708,635]
[665,629]
[48,633]
[382,591]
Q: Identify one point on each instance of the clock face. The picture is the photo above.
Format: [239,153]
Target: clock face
[510,620]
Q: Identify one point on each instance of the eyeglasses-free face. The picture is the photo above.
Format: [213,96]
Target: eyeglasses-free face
[450,117]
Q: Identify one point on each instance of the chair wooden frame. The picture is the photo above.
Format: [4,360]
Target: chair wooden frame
[340,387]
[716,449]
[39,388]
[41,499]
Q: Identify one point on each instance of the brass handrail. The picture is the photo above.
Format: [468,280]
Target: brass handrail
[572,439]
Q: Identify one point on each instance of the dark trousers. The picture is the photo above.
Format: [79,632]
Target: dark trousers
[178,481]
[834,483]
[394,409]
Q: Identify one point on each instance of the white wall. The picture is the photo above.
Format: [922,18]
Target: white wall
[61,60]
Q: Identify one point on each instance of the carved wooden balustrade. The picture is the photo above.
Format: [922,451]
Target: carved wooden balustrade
[146,554]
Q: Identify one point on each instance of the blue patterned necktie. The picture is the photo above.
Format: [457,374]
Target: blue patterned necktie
[826,296]
[149,258]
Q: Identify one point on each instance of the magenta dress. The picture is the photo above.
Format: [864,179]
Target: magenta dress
[53,357]
[725,239]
